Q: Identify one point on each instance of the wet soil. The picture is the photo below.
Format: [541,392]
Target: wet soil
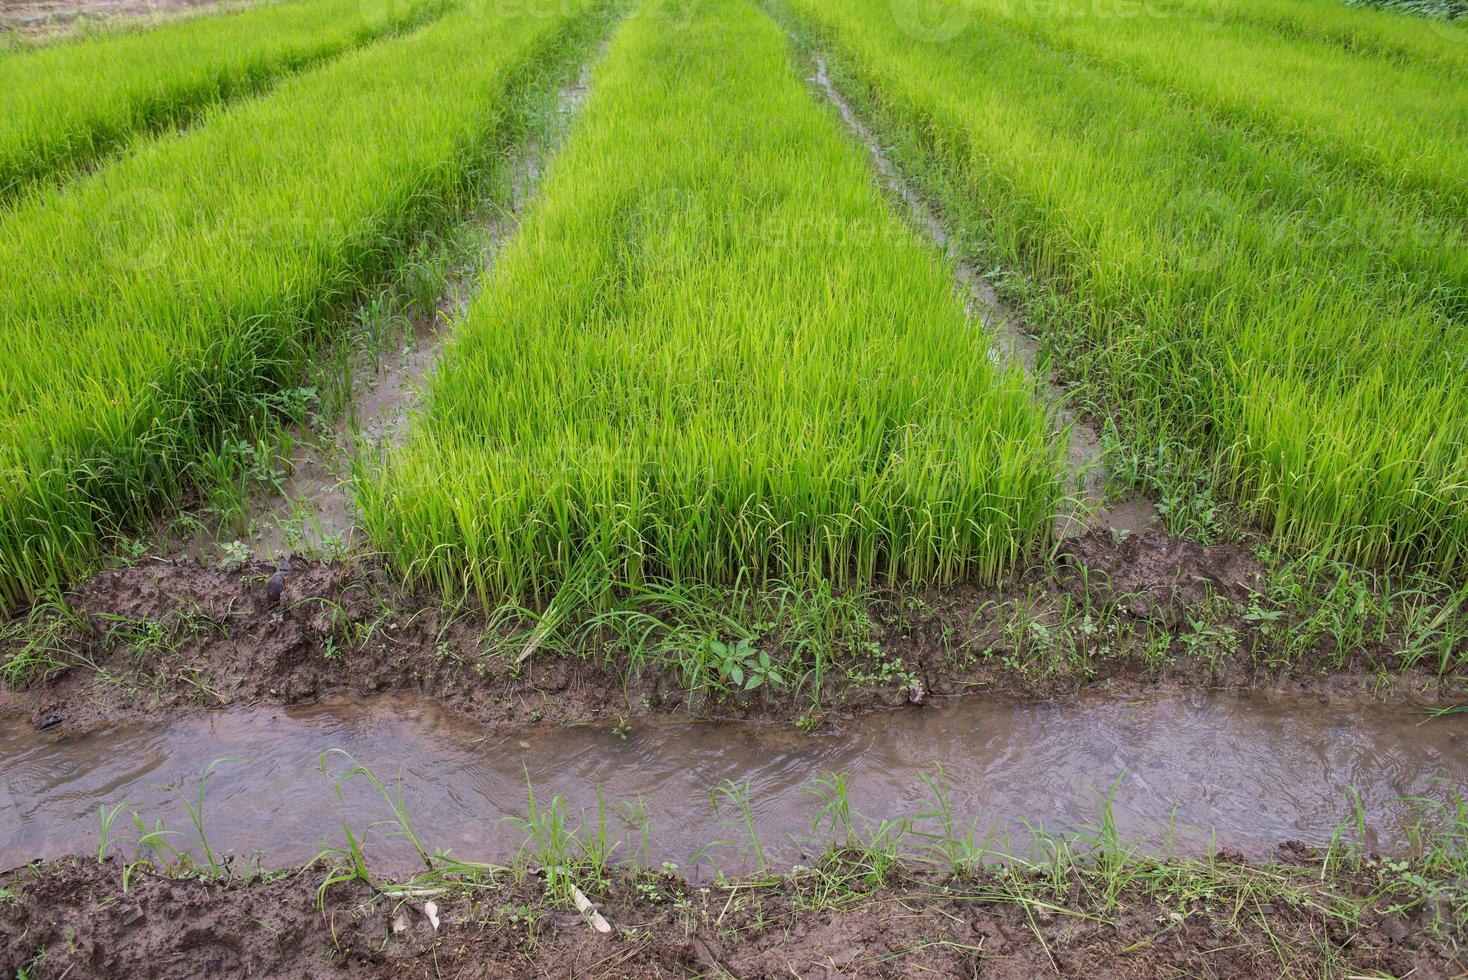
[160,638]
[73,919]
[1179,773]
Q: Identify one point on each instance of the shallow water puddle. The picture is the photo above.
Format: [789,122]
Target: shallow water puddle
[1252,770]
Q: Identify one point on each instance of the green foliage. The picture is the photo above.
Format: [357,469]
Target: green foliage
[150,309]
[63,106]
[744,666]
[1239,241]
[713,355]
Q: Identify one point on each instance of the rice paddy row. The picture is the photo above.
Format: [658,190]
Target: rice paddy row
[1405,122]
[150,308]
[66,105]
[713,354]
[1384,32]
[1298,332]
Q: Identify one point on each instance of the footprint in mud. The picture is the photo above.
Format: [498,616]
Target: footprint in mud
[220,955]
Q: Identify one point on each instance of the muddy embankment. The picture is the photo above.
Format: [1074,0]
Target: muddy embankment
[910,926]
[160,638]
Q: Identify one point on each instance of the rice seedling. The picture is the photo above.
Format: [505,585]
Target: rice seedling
[66,105]
[1382,33]
[1293,333]
[713,354]
[1406,121]
[152,307]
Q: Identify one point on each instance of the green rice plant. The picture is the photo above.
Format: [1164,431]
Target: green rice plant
[1381,33]
[1403,121]
[1299,332]
[151,308]
[713,354]
[66,105]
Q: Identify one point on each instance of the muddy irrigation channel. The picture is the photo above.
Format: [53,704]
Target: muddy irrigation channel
[1182,772]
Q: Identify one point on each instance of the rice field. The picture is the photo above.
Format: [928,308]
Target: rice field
[1018,453]
[1205,259]
[716,352]
[155,304]
[64,106]
[746,365]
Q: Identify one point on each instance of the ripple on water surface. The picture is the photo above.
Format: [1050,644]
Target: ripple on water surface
[1248,771]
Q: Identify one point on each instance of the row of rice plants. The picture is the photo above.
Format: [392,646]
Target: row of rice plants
[1378,31]
[1221,295]
[147,308]
[1405,121]
[64,105]
[713,354]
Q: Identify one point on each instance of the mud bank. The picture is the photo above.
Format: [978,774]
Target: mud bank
[74,919]
[161,638]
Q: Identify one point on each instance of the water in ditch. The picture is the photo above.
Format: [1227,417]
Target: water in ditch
[1196,769]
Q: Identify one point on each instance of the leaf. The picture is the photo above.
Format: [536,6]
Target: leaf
[755,680]
[736,672]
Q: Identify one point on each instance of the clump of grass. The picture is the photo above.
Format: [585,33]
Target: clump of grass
[151,847]
[39,646]
[713,355]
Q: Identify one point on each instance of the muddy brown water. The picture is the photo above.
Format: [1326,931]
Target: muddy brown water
[1242,771]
